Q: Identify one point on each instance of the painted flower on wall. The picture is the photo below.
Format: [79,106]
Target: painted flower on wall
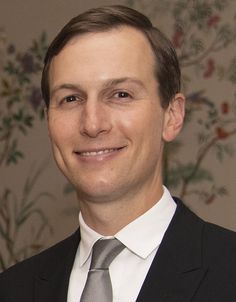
[21,105]
[201,31]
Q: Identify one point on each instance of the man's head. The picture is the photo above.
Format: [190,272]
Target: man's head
[106,118]
[166,69]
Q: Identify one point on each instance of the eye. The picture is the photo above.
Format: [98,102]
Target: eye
[71,98]
[122,94]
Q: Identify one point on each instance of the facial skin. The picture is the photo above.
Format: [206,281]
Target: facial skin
[107,126]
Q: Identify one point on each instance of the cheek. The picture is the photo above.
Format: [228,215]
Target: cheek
[59,130]
[151,135]
[60,136]
[143,128]
[149,123]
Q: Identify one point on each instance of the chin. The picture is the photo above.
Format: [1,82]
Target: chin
[94,190]
[97,191]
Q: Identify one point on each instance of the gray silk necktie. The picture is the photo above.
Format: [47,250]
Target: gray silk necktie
[98,285]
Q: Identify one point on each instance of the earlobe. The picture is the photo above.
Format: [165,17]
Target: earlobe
[174,117]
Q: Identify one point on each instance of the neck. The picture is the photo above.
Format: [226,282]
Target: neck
[109,217]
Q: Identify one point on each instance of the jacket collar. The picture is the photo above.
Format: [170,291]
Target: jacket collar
[175,273]
[51,284]
[177,269]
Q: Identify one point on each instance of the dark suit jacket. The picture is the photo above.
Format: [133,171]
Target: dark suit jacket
[196,262]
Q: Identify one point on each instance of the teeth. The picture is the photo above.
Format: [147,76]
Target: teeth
[93,153]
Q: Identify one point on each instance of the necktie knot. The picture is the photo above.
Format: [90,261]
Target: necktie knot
[104,252]
[98,286]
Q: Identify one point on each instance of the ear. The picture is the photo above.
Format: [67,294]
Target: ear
[45,111]
[174,117]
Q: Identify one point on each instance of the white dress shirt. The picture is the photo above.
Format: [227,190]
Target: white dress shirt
[141,238]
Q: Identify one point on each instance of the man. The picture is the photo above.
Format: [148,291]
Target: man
[111,84]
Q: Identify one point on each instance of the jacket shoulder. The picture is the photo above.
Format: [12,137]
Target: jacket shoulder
[54,253]
[220,243]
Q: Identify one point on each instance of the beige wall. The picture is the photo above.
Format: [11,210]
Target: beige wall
[23,21]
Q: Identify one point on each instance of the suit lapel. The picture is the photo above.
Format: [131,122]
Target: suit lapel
[174,275]
[177,268]
[51,284]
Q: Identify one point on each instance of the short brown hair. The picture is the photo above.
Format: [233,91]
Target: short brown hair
[105,18]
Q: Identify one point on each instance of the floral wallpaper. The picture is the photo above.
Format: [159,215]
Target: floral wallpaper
[200,32]
[204,35]
[22,104]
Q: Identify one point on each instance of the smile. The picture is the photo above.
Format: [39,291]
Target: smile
[94,153]
[100,152]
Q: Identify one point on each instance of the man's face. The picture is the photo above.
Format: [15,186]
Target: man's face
[105,120]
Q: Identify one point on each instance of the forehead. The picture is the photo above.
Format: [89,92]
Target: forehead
[123,50]
[127,35]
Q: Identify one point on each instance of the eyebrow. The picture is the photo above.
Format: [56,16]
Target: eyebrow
[107,84]
[65,86]
[114,82]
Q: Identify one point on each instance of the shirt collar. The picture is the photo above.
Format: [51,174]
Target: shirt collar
[141,236]
[88,238]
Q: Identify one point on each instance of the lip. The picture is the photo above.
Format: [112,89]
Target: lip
[98,154]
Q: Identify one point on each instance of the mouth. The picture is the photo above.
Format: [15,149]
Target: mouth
[98,152]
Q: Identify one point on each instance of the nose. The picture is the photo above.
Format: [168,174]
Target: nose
[95,119]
